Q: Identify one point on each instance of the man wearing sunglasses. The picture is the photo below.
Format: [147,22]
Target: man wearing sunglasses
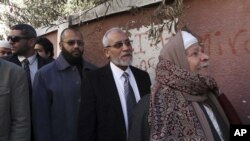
[111,92]
[22,39]
[57,89]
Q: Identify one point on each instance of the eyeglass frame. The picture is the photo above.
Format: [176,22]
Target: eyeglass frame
[17,38]
[119,44]
[73,42]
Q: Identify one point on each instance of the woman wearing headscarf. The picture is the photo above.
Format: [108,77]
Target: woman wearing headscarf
[183,104]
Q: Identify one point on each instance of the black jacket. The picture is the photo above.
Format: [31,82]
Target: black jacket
[100,116]
[140,130]
[40,60]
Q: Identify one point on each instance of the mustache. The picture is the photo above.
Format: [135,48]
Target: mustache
[126,54]
[203,65]
[77,50]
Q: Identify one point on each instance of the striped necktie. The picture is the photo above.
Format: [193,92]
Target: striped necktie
[130,98]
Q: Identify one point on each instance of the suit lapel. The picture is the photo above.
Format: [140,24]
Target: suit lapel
[15,60]
[111,91]
[138,80]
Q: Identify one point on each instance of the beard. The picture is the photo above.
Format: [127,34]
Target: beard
[123,63]
[73,60]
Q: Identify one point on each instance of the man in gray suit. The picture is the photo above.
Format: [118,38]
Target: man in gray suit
[14,103]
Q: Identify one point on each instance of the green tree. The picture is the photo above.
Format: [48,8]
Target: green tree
[40,13]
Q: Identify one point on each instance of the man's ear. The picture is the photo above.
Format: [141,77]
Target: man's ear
[60,45]
[106,52]
[32,42]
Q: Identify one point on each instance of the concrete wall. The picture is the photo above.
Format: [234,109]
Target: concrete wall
[222,25]
[134,22]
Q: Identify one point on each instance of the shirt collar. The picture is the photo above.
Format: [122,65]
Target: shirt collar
[62,64]
[31,59]
[119,71]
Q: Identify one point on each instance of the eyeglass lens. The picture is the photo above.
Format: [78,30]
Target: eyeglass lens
[15,38]
[120,43]
[73,42]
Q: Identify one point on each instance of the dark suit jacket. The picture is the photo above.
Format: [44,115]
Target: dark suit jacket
[140,130]
[101,117]
[40,61]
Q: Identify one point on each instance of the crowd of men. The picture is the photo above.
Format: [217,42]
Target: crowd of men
[70,99]
[43,96]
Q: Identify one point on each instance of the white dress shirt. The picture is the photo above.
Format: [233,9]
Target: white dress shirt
[214,121]
[119,81]
[33,65]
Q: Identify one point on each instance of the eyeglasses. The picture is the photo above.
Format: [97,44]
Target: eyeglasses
[73,42]
[16,38]
[119,44]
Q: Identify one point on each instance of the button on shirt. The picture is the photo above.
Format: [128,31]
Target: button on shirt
[119,81]
[33,65]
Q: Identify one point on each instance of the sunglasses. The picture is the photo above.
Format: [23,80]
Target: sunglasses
[73,42]
[16,38]
[119,44]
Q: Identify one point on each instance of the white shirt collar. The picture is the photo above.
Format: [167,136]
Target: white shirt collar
[31,58]
[119,72]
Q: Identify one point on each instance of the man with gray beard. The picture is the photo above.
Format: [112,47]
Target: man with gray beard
[111,92]
[57,89]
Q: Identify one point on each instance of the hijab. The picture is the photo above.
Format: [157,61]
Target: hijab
[174,113]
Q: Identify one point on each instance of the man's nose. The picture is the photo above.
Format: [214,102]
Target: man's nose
[204,57]
[76,45]
[126,47]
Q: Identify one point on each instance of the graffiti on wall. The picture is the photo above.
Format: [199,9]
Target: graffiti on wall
[219,42]
[145,51]
[215,43]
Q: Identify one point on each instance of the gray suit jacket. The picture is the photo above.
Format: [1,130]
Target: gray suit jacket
[14,103]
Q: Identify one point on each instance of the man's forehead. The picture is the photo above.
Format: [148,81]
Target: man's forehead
[15,32]
[38,46]
[70,34]
[117,33]
[117,36]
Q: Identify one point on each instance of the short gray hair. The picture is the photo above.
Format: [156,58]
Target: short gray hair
[105,39]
